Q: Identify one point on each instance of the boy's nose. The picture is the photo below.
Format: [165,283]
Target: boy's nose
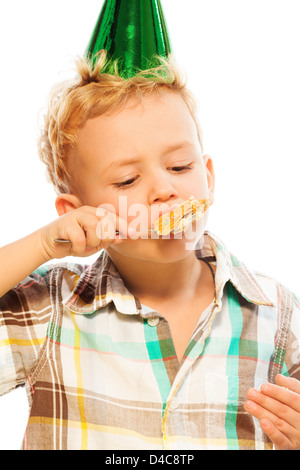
[161,190]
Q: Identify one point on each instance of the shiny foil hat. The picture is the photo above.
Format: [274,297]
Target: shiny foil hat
[132,31]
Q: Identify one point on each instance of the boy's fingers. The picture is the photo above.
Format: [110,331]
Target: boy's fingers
[286,396]
[114,227]
[78,241]
[106,228]
[274,406]
[92,239]
[260,412]
[90,229]
[288,382]
[283,429]
[280,441]
[110,224]
[80,230]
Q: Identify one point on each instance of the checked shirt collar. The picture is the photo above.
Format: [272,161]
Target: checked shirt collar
[100,283]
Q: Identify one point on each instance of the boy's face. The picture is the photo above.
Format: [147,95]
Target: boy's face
[149,154]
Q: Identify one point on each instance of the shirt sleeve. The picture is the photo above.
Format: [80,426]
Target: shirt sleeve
[25,311]
[292,353]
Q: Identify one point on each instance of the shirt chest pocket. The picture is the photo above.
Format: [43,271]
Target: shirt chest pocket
[228,425]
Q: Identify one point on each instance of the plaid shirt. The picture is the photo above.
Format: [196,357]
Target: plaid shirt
[101,371]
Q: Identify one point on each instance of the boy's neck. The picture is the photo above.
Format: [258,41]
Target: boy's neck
[157,280]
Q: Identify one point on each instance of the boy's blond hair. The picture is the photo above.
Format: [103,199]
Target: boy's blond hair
[99,89]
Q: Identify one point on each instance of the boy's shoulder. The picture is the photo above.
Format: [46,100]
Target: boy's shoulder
[54,272]
[51,271]
[285,302]
[253,285]
[37,290]
[81,288]
[275,307]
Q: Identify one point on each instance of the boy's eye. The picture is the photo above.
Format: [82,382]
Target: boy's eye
[177,169]
[123,184]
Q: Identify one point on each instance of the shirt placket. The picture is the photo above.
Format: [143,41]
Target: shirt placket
[180,385]
[171,395]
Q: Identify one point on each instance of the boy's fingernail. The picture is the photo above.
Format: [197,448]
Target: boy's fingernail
[252,393]
[249,405]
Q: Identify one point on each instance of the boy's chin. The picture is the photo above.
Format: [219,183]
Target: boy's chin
[162,250]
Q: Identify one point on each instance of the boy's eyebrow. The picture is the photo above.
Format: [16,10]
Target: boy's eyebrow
[132,161]
[177,146]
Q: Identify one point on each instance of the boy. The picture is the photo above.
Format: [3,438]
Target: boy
[163,342]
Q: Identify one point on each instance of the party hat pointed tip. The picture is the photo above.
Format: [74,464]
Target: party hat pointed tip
[132,32]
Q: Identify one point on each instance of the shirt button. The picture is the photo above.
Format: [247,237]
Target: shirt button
[154,321]
[174,404]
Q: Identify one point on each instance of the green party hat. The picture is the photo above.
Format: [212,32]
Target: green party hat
[132,31]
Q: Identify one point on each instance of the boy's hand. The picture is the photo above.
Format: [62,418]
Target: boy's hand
[278,409]
[88,229]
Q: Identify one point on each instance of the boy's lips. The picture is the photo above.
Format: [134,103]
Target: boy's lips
[169,223]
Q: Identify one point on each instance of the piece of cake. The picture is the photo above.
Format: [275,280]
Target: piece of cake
[177,220]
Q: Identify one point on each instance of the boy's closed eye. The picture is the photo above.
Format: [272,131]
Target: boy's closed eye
[126,183]
[176,169]
[181,168]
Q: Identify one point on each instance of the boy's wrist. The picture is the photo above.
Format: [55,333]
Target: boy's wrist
[20,258]
[44,245]
[37,248]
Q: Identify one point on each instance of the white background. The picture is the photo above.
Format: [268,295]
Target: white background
[241,58]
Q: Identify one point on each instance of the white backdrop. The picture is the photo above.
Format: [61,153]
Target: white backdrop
[241,59]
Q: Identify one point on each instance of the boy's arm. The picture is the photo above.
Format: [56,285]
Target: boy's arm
[82,226]
[19,259]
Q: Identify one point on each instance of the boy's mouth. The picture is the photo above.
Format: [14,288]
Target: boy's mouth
[172,221]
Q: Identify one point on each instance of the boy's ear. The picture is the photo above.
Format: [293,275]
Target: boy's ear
[67,202]
[210,175]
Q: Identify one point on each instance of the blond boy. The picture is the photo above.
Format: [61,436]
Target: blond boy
[164,342]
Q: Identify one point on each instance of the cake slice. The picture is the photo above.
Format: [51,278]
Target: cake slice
[177,220]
